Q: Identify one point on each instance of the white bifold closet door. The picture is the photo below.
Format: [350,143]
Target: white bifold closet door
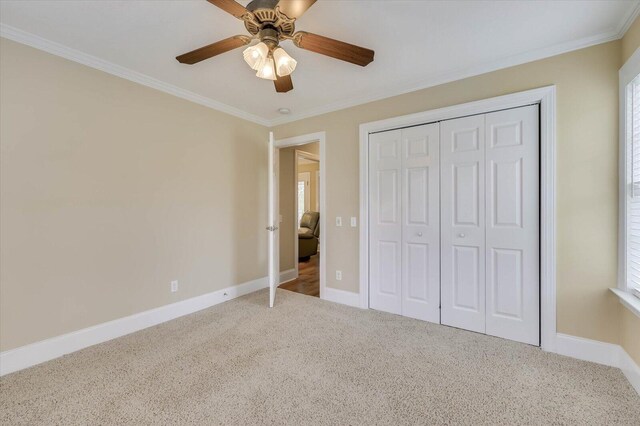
[513,224]
[404,264]
[463,238]
[490,223]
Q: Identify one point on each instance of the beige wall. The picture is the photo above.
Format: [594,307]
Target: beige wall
[629,323]
[287,193]
[631,41]
[110,190]
[311,148]
[587,132]
[630,333]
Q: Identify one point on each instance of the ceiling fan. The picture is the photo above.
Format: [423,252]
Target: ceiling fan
[270,22]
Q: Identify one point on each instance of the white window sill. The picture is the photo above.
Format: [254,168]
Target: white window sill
[628,300]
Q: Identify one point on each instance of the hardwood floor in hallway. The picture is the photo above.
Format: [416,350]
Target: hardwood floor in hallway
[308,281]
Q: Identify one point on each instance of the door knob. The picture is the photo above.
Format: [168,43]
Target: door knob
[419,234]
[461,235]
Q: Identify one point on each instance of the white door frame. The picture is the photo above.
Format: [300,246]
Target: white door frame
[319,137]
[318,189]
[546,97]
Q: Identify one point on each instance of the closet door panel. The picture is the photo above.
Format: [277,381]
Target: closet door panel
[385,221]
[462,197]
[421,223]
[512,233]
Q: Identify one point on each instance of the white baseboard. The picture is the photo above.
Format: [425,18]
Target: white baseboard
[575,347]
[45,350]
[601,353]
[341,296]
[39,352]
[588,350]
[630,369]
[288,275]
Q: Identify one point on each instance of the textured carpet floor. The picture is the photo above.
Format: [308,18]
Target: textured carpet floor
[309,361]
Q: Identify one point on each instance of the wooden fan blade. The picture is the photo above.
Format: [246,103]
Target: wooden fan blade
[294,9]
[214,49]
[283,84]
[230,6]
[334,48]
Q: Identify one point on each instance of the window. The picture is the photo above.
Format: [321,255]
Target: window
[632,184]
[304,194]
[629,273]
[300,199]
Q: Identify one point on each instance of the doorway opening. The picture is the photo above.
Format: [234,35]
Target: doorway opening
[301,215]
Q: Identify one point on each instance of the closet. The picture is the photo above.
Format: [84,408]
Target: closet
[454,223]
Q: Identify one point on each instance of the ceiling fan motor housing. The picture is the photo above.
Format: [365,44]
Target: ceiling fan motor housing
[266,17]
[269,36]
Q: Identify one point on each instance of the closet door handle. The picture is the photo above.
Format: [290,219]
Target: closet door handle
[419,234]
[461,235]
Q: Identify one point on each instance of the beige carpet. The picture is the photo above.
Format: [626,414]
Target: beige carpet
[308,361]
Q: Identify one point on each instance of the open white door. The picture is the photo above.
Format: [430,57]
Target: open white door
[272,228]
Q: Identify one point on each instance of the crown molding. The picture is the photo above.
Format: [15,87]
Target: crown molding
[448,77]
[74,55]
[58,49]
[628,20]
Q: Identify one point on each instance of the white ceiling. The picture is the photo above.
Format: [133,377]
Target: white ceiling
[417,44]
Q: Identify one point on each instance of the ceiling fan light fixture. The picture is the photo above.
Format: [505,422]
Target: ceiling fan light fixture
[256,55]
[270,22]
[285,64]
[267,70]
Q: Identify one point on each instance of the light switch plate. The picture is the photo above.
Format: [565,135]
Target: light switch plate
[338,221]
[353,222]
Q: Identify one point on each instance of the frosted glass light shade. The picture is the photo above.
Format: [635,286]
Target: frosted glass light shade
[256,55]
[267,70]
[285,64]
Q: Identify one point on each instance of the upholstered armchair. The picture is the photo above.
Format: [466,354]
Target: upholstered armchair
[308,235]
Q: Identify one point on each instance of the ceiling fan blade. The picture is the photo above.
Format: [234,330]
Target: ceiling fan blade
[294,9]
[230,6]
[283,84]
[214,49]
[334,48]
